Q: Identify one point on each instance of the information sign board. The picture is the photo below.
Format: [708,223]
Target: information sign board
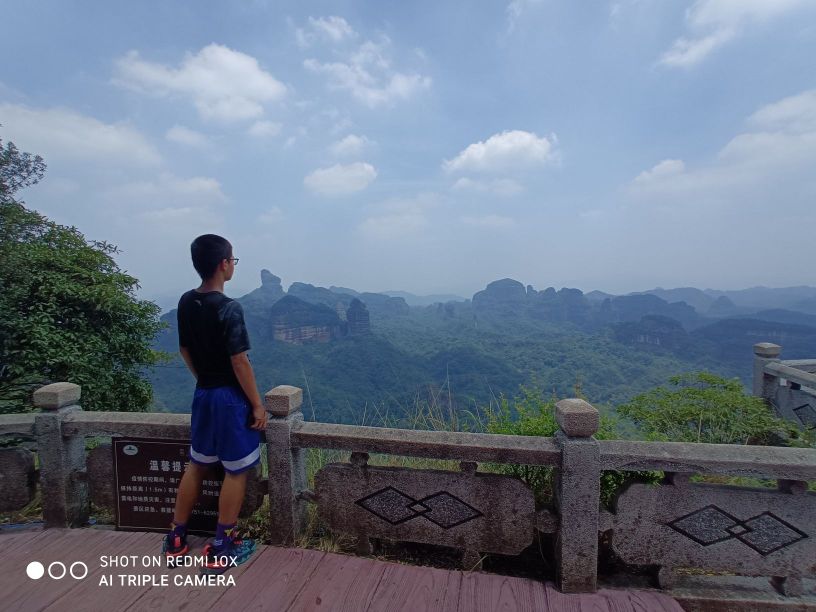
[147,473]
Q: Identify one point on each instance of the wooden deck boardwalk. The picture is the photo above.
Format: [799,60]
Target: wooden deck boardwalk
[274,579]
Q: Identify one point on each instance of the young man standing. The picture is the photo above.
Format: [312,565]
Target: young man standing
[227,412]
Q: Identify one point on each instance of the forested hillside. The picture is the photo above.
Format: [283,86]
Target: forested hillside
[469,353]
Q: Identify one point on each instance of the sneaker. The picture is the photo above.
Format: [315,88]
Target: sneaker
[236,552]
[174,546]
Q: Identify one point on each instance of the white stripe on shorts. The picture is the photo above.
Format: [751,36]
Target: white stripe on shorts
[202,458]
[240,463]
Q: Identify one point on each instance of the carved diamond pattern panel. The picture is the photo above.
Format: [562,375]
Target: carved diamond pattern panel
[447,510]
[706,526]
[718,528]
[390,505]
[768,533]
[442,508]
[807,415]
[490,513]
[765,533]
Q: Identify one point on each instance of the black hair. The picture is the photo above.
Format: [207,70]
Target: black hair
[208,251]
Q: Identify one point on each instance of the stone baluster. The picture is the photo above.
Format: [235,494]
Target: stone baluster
[577,496]
[287,465]
[63,472]
[765,385]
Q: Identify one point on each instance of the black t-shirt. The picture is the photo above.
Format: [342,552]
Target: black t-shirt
[211,326]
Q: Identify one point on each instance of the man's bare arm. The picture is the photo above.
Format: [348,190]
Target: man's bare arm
[188,359]
[246,378]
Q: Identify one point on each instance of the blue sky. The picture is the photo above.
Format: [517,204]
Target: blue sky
[427,146]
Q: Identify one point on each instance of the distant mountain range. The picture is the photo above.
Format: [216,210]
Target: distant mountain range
[716,302]
[357,351]
[425,300]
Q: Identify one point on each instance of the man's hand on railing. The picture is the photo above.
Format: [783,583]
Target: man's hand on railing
[259,414]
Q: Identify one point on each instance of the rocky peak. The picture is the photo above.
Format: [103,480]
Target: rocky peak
[359,321]
[270,280]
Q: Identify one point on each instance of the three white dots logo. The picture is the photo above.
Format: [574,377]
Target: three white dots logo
[57,570]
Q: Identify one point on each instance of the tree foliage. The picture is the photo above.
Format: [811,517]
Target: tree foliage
[67,312]
[702,407]
[531,414]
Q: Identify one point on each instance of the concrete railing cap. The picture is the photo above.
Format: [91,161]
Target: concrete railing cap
[767,349]
[57,395]
[577,418]
[283,400]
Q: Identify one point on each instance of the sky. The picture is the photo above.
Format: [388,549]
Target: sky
[426,146]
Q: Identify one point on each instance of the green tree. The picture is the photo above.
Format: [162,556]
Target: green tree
[531,414]
[67,312]
[702,407]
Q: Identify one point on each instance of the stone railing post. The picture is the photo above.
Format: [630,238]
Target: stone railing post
[63,472]
[287,465]
[577,495]
[765,353]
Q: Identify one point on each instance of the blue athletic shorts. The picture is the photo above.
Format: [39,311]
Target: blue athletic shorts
[220,427]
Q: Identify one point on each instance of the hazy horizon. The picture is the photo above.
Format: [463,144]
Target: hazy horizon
[168,301]
[427,147]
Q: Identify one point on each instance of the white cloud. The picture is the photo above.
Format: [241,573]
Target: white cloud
[167,191]
[687,52]
[62,134]
[713,23]
[271,216]
[489,221]
[187,137]
[399,217]
[333,29]
[666,168]
[509,150]
[223,84]
[783,138]
[264,129]
[166,208]
[498,187]
[796,113]
[349,146]
[777,151]
[339,180]
[368,76]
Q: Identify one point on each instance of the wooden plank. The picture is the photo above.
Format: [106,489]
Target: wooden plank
[575,602]
[416,589]
[647,601]
[490,592]
[340,582]
[174,597]
[117,596]
[294,579]
[10,541]
[20,593]
[617,600]
[274,580]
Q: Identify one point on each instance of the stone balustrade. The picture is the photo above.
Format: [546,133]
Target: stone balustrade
[788,386]
[671,527]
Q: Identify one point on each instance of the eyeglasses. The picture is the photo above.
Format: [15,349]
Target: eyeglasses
[235,259]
